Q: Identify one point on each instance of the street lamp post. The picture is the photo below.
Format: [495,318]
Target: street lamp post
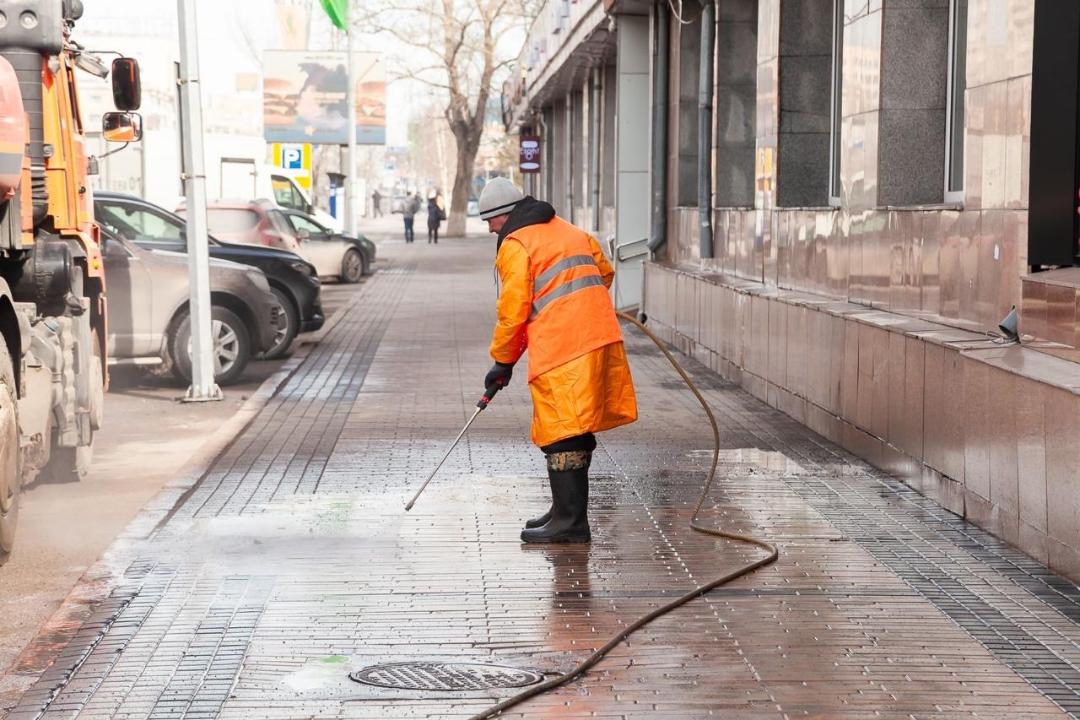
[351,208]
[203,387]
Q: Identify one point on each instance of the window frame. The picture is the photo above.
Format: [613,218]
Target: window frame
[836,105]
[954,140]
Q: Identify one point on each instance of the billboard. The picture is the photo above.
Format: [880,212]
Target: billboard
[304,98]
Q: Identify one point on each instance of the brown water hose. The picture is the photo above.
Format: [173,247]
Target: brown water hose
[697,592]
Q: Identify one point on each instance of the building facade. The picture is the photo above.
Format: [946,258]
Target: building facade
[842,200]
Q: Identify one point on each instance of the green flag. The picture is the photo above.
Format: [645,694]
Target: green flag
[338,10]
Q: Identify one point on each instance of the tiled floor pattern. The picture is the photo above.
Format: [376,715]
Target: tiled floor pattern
[292,563]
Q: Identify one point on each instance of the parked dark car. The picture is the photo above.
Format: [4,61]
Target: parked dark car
[293,280]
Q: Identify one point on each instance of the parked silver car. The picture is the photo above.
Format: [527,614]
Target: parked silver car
[148,315]
[332,253]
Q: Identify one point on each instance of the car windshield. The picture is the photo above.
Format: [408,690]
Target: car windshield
[139,224]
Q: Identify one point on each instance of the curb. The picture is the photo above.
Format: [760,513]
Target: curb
[98,581]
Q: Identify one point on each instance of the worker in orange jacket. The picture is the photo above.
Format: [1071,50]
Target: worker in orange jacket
[554,302]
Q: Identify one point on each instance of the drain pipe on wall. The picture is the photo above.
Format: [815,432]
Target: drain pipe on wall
[541,183]
[659,129]
[597,120]
[705,102]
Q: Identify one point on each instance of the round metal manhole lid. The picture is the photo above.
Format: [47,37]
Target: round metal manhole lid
[445,677]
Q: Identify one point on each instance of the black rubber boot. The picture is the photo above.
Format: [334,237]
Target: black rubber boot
[569,521]
[539,521]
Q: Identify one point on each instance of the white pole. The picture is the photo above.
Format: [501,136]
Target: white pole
[351,206]
[203,386]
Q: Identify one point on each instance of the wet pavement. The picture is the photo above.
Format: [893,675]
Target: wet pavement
[292,562]
[148,439]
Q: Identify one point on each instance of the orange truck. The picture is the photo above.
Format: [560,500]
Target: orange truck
[52,282]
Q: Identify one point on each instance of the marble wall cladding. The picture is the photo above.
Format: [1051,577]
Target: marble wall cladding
[683,233]
[987,431]
[1062,467]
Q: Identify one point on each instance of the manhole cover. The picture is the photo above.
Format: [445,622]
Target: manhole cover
[444,676]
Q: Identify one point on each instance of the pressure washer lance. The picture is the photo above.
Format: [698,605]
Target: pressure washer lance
[489,395]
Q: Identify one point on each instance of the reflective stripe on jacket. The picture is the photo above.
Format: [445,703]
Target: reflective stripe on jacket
[556,304]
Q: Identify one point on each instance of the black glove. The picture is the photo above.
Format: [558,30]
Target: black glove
[498,376]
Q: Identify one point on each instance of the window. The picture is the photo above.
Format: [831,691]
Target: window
[954,130]
[804,140]
[836,120]
[231,220]
[139,224]
[912,120]
[736,102]
[286,194]
[300,223]
[689,70]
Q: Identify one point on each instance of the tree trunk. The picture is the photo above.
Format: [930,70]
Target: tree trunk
[459,198]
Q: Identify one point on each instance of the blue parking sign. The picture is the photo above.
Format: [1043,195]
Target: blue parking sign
[292,157]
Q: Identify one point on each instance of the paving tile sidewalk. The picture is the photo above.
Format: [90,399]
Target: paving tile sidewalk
[293,563]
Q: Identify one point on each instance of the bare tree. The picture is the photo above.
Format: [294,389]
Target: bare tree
[463,58]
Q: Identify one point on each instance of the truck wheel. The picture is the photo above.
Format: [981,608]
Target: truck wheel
[231,352]
[10,475]
[288,326]
[352,266]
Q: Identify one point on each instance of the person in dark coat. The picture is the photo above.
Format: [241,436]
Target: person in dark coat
[408,212]
[434,219]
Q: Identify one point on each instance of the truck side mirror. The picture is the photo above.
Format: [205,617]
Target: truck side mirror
[126,85]
[122,127]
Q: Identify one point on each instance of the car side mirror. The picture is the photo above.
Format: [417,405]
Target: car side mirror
[126,84]
[122,127]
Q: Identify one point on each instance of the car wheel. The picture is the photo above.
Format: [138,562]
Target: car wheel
[352,266]
[231,351]
[10,477]
[288,326]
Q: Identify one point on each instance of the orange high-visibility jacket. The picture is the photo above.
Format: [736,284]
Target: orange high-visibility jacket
[555,303]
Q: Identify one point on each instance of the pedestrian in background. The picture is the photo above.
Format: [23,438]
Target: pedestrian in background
[408,212]
[434,218]
[554,302]
[376,200]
